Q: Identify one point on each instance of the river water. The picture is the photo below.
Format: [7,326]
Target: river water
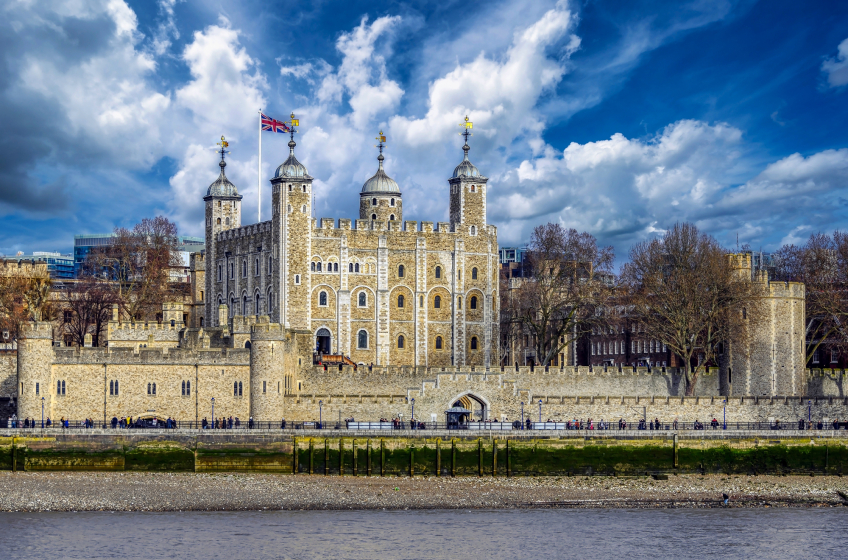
[507,534]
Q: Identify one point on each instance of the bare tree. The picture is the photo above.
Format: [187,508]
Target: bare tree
[90,304]
[510,318]
[569,288]
[683,289]
[822,265]
[140,261]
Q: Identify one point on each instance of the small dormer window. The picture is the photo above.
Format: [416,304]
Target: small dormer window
[373,202]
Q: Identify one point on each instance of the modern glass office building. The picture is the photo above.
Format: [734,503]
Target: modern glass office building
[86,243]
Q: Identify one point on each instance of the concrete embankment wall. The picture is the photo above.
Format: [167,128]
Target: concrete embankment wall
[439,454]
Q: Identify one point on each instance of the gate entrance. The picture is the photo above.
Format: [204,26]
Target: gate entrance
[474,404]
[322,341]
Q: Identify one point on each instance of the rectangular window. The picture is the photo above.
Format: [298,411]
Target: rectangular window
[37,389]
[816,357]
[834,356]
[264,386]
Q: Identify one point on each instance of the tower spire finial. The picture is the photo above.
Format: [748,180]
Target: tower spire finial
[292,124]
[224,144]
[382,139]
[466,131]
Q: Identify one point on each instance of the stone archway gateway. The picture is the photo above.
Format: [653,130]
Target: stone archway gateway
[477,405]
[322,341]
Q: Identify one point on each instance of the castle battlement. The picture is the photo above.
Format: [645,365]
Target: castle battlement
[245,231]
[22,268]
[41,330]
[784,289]
[151,356]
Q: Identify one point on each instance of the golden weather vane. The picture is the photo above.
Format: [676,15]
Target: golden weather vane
[467,125]
[382,139]
[224,144]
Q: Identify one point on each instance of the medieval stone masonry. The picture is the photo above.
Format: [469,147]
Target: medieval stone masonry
[362,316]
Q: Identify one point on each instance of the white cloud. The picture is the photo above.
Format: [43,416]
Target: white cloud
[836,68]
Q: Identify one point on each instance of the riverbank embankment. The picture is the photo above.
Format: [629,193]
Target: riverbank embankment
[69,491]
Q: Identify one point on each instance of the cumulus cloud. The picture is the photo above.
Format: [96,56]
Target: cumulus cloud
[835,69]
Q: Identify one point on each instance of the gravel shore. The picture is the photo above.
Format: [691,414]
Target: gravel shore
[74,491]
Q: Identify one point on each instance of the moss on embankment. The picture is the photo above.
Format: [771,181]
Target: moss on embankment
[423,456]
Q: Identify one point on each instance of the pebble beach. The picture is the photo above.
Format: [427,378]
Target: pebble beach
[87,491]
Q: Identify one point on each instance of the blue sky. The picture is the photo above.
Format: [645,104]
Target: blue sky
[618,118]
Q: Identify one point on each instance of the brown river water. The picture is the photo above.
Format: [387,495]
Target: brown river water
[432,534]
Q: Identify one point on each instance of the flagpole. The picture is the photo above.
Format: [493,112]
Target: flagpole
[259,188]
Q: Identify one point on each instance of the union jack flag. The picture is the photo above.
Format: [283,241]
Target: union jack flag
[273,125]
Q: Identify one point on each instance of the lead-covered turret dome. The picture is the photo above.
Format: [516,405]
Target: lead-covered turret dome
[222,186]
[292,168]
[466,168]
[380,182]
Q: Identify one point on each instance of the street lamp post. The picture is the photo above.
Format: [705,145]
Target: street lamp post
[540,411]
[724,416]
[412,419]
[42,413]
[213,414]
[320,411]
[522,415]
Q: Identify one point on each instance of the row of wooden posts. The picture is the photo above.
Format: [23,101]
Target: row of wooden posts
[295,460]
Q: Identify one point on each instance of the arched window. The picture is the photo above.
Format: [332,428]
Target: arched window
[232,270]
[290,188]
[303,188]
[473,188]
[218,221]
[392,202]
[201,321]
[116,387]
[474,274]
[350,267]
[401,341]
[183,393]
[438,272]
[400,271]
[248,345]
[256,267]
[473,230]
[148,389]
[240,388]
[373,216]
[235,388]
[245,307]
[362,339]
[220,273]
[256,305]
[270,301]
[228,221]
[335,267]
[112,387]
[322,299]
[438,343]
[318,267]
[392,217]
[313,267]
[437,302]
[362,299]
[473,302]
[297,278]
[270,264]
[400,301]
[188,388]
[474,343]
[303,209]
[373,202]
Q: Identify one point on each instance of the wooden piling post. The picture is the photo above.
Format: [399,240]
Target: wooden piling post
[508,461]
[341,457]
[294,456]
[438,456]
[326,456]
[676,463]
[494,457]
[382,457]
[480,457]
[368,457]
[412,460]
[355,469]
[453,457]
[311,456]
